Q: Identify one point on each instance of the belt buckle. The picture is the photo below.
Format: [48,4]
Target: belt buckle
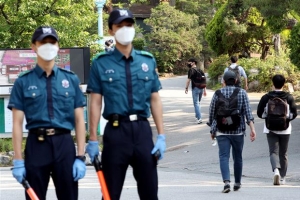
[50,131]
[133,117]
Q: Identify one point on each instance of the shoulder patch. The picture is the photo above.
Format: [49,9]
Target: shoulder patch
[146,53]
[103,53]
[25,72]
[69,71]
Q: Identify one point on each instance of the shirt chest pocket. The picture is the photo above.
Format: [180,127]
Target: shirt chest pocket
[110,84]
[33,99]
[65,100]
[145,82]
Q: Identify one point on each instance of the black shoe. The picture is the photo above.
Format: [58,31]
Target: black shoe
[236,186]
[226,188]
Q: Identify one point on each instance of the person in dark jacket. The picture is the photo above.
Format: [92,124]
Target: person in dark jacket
[278,140]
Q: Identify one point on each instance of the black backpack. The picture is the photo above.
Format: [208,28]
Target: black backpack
[199,78]
[228,115]
[277,119]
[237,72]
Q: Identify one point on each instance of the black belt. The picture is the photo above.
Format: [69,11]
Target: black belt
[42,132]
[115,118]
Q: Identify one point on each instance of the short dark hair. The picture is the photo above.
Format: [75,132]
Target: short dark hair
[230,82]
[278,81]
[193,60]
[233,59]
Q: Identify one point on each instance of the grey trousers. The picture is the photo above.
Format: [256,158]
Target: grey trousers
[278,146]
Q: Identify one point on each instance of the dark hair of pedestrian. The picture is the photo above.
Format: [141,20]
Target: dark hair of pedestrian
[193,60]
[233,59]
[230,82]
[278,81]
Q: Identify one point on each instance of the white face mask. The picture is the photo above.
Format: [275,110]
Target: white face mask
[47,51]
[125,35]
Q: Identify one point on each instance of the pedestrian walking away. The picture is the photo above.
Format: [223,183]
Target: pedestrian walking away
[198,87]
[127,81]
[229,112]
[278,108]
[240,72]
[52,102]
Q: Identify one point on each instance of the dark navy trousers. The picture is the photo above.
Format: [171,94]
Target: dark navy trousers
[54,157]
[129,144]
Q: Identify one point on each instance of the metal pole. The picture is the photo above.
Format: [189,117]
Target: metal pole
[100,5]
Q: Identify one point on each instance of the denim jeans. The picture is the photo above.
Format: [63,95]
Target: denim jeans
[225,142]
[196,93]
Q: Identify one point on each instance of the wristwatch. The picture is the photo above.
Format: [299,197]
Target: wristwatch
[82,158]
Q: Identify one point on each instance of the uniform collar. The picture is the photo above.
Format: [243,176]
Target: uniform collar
[118,55]
[40,72]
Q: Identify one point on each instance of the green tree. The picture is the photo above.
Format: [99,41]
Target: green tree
[72,19]
[238,28]
[294,44]
[174,37]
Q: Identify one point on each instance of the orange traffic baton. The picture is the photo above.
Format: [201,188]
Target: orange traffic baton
[29,190]
[98,167]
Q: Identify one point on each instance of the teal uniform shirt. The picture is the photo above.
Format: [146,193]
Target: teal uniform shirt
[125,84]
[47,102]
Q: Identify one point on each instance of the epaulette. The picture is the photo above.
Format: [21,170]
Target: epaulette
[25,72]
[103,53]
[65,70]
[146,53]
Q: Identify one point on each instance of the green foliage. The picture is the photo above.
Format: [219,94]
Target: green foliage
[257,69]
[139,43]
[216,68]
[6,145]
[214,31]
[71,19]
[294,45]
[174,37]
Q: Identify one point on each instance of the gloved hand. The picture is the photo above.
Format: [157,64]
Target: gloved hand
[160,145]
[92,149]
[18,170]
[79,169]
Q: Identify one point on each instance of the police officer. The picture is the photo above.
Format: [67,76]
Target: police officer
[51,101]
[128,82]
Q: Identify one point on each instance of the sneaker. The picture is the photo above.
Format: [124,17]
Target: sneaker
[282,181]
[226,188]
[237,186]
[276,177]
[199,121]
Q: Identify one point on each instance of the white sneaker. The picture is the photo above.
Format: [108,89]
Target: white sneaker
[199,121]
[276,177]
[282,181]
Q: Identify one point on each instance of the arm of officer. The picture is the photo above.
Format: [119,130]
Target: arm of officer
[17,135]
[80,130]
[94,114]
[156,110]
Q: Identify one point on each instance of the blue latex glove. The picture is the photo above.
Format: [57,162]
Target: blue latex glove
[18,170]
[79,169]
[92,149]
[160,145]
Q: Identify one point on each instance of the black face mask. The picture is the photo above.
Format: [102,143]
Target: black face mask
[189,65]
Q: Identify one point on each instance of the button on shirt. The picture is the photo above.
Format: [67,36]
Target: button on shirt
[47,102]
[243,105]
[125,84]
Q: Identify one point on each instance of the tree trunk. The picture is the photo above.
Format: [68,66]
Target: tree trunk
[265,50]
[277,44]
[172,2]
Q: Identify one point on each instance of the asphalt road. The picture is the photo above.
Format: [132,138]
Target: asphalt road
[190,169]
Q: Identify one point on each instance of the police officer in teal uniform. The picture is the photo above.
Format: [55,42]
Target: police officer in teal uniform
[52,102]
[128,82]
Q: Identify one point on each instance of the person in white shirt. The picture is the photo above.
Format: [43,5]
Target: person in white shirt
[278,140]
[239,70]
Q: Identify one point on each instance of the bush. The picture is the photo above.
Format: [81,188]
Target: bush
[266,69]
